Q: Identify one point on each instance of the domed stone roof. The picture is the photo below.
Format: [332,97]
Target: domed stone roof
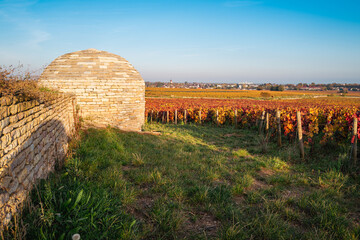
[109,89]
[90,64]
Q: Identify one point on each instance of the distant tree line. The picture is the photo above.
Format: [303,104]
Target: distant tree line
[272,88]
[342,88]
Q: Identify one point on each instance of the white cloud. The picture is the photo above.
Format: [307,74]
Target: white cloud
[37,37]
[29,27]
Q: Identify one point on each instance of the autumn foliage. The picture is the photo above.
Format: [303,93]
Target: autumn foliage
[234,94]
[331,119]
[14,81]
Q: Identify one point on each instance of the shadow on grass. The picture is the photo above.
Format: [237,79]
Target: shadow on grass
[194,182]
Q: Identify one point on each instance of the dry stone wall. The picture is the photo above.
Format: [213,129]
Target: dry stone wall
[33,139]
[109,90]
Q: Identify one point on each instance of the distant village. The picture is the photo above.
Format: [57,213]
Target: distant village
[252,86]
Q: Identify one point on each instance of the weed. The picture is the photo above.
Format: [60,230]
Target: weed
[241,183]
[333,180]
[234,232]
[167,218]
[137,160]
[263,142]
[241,153]
[199,194]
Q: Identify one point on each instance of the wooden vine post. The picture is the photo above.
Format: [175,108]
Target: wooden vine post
[163,117]
[200,116]
[261,121]
[167,116]
[278,129]
[355,137]
[217,117]
[267,123]
[185,117]
[175,117]
[300,135]
[151,116]
[235,118]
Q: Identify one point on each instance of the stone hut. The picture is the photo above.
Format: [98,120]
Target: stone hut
[108,89]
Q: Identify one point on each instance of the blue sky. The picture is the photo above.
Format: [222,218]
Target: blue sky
[279,41]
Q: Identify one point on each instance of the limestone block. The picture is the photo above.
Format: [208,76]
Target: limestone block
[22,174]
[5,140]
[18,163]
[13,186]
[5,182]
[4,198]
[15,134]
[4,112]
[37,158]
[13,109]
[6,101]
[7,129]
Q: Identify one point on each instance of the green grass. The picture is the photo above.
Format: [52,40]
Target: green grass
[192,182]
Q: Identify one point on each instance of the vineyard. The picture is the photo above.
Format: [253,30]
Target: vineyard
[323,120]
[233,94]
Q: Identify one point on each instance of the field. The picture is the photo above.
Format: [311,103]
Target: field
[193,182]
[326,116]
[323,119]
[182,103]
[223,93]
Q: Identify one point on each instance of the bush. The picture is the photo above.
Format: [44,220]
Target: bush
[265,94]
[277,88]
[16,82]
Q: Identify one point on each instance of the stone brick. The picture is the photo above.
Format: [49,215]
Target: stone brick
[4,197]
[4,123]
[23,173]
[4,112]
[13,109]
[18,163]
[13,186]
[14,119]
[7,129]
[15,134]
[21,115]
[37,158]
[11,146]
[5,140]
[6,101]
[5,182]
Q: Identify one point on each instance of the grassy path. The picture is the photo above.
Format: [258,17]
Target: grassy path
[192,182]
